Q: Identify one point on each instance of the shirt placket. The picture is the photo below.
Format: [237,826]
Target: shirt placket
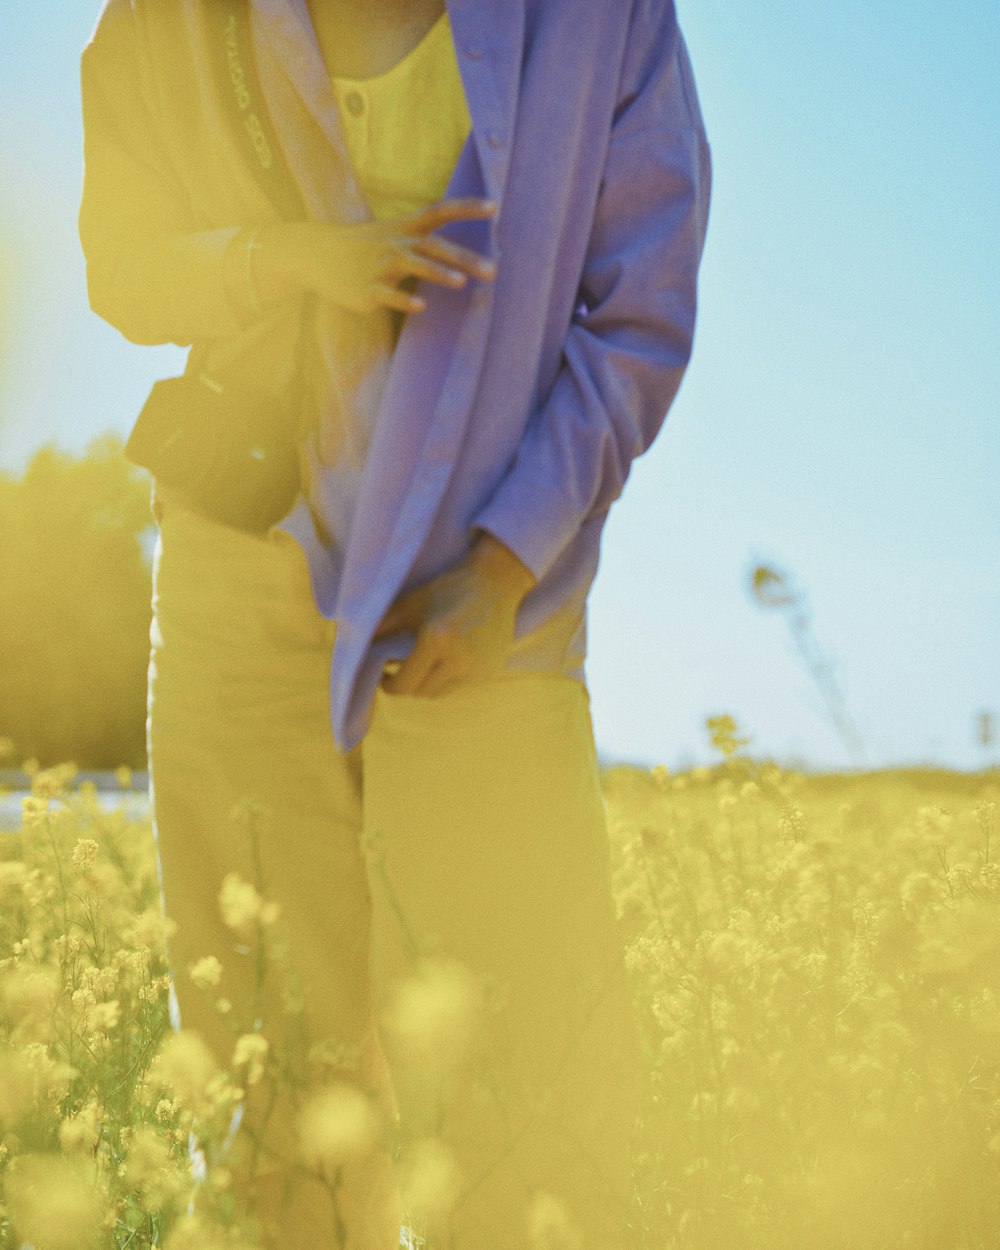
[355,110]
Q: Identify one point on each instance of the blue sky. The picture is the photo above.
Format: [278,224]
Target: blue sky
[839,419]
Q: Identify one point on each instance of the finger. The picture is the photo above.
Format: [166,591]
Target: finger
[424,656]
[437,681]
[456,257]
[405,612]
[442,680]
[392,297]
[444,211]
[409,263]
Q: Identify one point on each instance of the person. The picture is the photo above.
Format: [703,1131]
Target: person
[378,708]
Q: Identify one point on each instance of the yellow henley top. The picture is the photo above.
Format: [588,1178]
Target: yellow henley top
[402,166]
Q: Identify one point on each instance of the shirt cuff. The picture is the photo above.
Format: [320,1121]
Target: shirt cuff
[530,518]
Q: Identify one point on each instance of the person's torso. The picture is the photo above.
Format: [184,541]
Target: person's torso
[525,97]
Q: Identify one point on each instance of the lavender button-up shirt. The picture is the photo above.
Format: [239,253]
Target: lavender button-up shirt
[516,406]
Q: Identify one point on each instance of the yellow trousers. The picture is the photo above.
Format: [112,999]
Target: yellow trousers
[445,901]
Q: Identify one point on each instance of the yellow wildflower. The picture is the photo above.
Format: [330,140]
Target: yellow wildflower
[83,999]
[221,1093]
[205,972]
[103,879]
[251,1049]
[166,1109]
[158,985]
[150,928]
[104,1016]
[67,945]
[791,823]
[33,810]
[49,1078]
[50,782]
[84,853]
[239,903]
[101,980]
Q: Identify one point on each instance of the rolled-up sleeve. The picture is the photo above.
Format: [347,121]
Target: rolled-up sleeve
[630,340]
[151,272]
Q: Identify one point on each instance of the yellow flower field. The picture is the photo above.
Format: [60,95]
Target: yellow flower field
[816,971]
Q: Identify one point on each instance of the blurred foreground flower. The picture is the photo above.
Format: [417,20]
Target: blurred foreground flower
[550,1226]
[151,1170]
[187,1066]
[431,1181]
[53,1204]
[81,1132]
[242,906]
[251,1051]
[337,1124]
[435,1014]
[28,997]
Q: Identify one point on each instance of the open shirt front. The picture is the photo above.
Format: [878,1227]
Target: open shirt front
[514,406]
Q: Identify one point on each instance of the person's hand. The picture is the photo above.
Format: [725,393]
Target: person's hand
[361,266]
[463,619]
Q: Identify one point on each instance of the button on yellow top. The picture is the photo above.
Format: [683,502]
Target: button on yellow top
[405,128]
[355,102]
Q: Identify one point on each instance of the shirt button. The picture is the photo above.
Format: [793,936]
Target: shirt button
[494,140]
[355,103]
[474,53]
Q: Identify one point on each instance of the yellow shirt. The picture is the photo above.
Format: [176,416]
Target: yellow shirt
[402,166]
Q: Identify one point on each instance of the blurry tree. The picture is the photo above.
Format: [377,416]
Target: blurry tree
[75,596]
